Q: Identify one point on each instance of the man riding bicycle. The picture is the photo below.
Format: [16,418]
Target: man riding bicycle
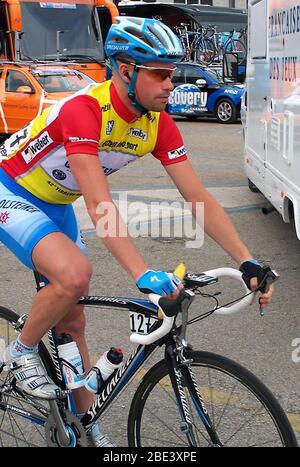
[67,152]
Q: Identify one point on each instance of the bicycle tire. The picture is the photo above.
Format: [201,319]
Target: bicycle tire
[16,430]
[154,405]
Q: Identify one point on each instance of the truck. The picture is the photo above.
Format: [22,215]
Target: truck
[271,107]
[67,32]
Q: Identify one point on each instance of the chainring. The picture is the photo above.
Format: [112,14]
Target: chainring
[74,426]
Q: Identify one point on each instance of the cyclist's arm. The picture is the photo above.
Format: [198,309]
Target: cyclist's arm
[109,225]
[217,223]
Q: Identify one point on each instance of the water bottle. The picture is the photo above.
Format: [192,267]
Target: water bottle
[71,361]
[105,366]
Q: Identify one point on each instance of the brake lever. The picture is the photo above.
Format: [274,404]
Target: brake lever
[269,278]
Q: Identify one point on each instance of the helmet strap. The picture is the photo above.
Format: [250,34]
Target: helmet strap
[131,93]
[130,87]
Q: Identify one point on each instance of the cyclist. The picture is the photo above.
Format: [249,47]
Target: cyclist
[67,152]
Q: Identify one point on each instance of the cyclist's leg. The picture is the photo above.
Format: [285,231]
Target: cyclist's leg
[56,256]
[74,321]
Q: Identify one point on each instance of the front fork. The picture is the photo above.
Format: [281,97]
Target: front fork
[182,377]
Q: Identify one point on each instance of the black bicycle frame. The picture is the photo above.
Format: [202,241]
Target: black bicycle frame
[119,379]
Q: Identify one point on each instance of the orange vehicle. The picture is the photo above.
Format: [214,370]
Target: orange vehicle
[67,32]
[25,91]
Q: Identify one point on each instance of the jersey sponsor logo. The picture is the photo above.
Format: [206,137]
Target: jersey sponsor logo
[109,127]
[150,117]
[36,147]
[3,152]
[79,139]
[108,171]
[119,144]
[63,192]
[59,174]
[138,133]
[179,152]
[106,108]
[8,204]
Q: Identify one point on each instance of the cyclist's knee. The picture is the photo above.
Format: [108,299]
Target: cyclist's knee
[75,281]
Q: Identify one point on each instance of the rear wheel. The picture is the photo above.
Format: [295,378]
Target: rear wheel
[22,418]
[242,410]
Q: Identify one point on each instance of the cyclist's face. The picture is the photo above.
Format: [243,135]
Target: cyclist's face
[154,85]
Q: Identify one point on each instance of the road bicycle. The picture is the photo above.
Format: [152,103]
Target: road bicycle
[221,43]
[189,398]
[234,42]
[197,47]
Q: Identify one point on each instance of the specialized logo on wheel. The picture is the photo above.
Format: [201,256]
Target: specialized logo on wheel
[4,216]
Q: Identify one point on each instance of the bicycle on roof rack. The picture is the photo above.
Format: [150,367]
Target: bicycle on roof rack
[189,398]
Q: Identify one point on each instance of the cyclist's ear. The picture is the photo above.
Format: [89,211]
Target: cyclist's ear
[127,75]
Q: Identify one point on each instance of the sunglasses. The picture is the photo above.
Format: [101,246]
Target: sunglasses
[158,73]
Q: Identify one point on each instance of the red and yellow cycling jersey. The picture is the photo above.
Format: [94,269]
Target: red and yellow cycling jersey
[93,121]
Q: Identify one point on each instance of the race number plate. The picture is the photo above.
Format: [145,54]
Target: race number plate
[140,323]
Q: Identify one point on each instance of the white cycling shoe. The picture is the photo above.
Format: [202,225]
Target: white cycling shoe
[31,375]
[101,441]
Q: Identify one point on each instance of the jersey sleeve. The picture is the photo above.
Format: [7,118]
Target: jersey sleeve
[80,120]
[169,148]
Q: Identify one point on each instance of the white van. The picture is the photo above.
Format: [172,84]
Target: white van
[271,114]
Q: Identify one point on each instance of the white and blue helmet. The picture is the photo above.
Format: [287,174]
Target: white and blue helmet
[144,40]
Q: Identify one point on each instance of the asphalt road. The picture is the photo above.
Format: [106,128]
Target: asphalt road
[262,344]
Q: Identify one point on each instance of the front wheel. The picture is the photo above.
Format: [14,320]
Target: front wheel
[22,417]
[242,410]
[226,111]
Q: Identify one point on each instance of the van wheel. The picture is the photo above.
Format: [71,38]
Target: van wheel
[226,111]
[252,187]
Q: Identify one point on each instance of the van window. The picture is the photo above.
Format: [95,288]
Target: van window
[258,29]
[15,79]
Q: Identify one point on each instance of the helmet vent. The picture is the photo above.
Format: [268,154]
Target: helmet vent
[143,52]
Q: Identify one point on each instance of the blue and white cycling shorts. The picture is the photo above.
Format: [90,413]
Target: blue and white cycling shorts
[25,220]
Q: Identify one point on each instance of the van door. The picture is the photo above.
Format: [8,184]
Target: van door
[19,107]
[258,90]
